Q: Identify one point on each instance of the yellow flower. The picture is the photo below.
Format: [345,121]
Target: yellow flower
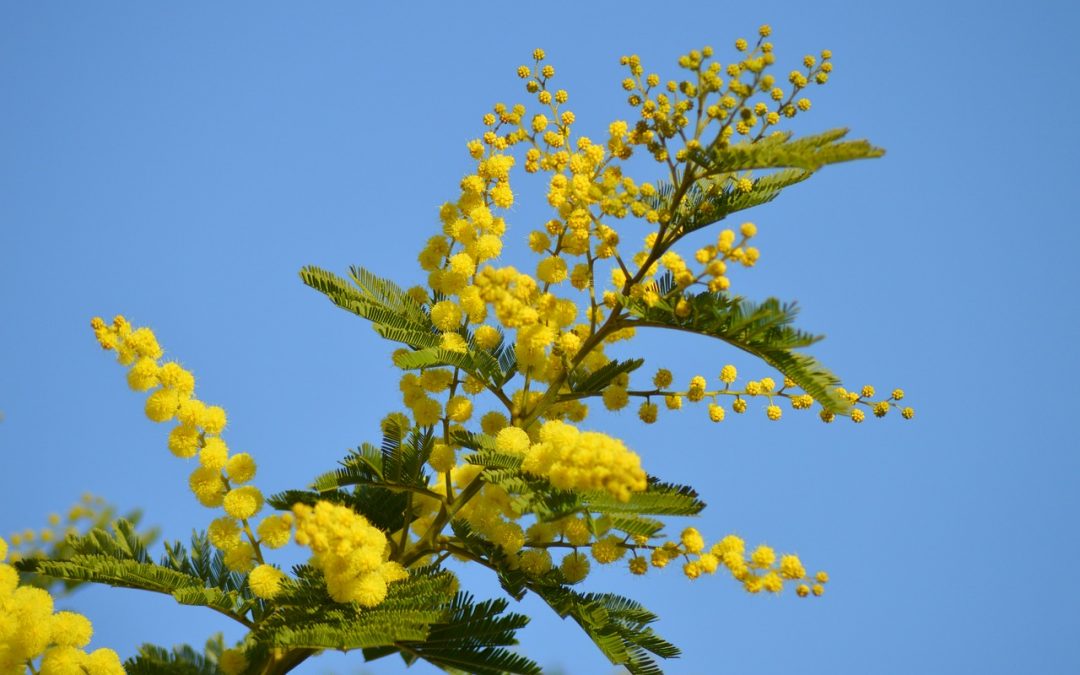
[552,270]
[575,567]
[265,581]
[647,413]
[71,630]
[442,457]
[584,461]
[208,486]
[243,502]
[459,409]
[143,342]
[607,550]
[348,550]
[791,567]
[513,440]
[184,441]
[143,374]
[162,404]
[692,540]
[446,315]
[762,557]
[213,420]
[173,376]
[214,453]
[224,533]
[240,468]
[728,374]
[716,412]
[534,561]
[615,398]
[275,531]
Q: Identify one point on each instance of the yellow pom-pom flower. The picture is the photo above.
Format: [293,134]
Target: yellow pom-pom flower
[213,420]
[240,468]
[208,486]
[214,453]
[442,457]
[575,567]
[607,550]
[162,404]
[762,557]
[534,561]
[692,540]
[224,533]
[71,630]
[243,502]
[513,440]
[446,315]
[275,531]
[143,374]
[184,441]
[265,581]
[173,376]
[459,409]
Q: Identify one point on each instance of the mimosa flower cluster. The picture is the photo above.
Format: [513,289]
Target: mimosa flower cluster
[475,303]
[218,481]
[764,389]
[352,554]
[30,629]
[502,366]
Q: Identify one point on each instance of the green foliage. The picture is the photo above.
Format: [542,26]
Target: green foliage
[422,505]
[305,616]
[808,153]
[470,640]
[180,660]
[120,559]
[764,330]
[617,625]
[61,550]
[590,384]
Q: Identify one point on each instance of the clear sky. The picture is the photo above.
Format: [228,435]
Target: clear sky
[179,162]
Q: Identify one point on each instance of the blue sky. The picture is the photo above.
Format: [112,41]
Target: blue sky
[180,162]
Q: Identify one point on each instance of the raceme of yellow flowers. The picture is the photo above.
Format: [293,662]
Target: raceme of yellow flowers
[352,554]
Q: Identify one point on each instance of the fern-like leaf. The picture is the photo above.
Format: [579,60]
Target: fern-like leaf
[763,330]
[658,498]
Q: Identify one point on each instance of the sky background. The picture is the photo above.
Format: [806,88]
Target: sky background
[179,162]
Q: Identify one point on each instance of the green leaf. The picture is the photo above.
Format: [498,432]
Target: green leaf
[475,361]
[763,330]
[633,524]
[658,498]
[306,617]
[596,381]
[809,153]
[181,660]
[710,200]
[471,639]
[617,625]
[394,314]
